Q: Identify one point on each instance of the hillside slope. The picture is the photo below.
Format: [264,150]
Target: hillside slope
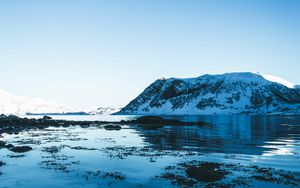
[242,92]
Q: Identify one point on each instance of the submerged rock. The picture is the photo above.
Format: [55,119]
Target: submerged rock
[2,144]
[1,164]
[21,149]
[112,127]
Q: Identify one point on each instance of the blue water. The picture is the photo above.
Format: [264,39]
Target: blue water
[266,141]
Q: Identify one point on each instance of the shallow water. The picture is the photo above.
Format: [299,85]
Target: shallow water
[134,156]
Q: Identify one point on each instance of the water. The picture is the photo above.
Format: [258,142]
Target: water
[135,155]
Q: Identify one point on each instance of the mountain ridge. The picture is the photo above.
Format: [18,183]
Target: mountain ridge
[238,92]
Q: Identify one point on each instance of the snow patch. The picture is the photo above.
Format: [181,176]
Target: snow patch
[279,80]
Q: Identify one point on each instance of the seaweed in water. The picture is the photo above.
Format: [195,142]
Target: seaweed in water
[212,174]
[105,175]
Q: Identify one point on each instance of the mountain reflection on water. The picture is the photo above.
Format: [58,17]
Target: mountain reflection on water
[255,135]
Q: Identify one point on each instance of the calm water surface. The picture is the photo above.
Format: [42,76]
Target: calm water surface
[94,157]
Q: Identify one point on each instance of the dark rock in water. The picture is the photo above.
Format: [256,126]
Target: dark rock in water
[21,149]
[157,120]
[8,146]
[2,144]
[85,126]
[1,164]
[151,120]
[47,118]
[112,127]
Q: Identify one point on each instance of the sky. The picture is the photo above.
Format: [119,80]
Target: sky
[90,53]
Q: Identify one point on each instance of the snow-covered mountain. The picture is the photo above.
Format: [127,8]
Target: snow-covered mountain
[243,92]
[12,104]
[104,111]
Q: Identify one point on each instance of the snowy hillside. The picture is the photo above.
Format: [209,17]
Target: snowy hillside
[104,111]
[221,94]
[12,104]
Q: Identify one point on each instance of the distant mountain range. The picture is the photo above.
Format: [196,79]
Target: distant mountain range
[241,92]
[17,105]
[104,111]
[12,104]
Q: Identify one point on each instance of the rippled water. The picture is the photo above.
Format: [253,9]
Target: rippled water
[136,155]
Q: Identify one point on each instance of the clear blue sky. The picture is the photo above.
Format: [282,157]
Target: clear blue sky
[99,53]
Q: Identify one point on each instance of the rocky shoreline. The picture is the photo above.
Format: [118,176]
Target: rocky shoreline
[13,124]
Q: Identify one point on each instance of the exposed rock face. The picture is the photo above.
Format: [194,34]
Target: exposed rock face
[221,94]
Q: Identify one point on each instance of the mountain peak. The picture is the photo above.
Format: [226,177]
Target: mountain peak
[238,92]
